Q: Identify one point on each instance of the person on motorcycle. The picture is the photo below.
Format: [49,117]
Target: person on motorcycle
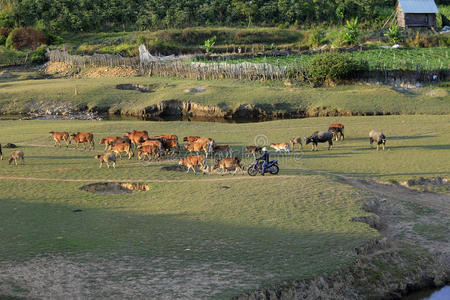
[265,157]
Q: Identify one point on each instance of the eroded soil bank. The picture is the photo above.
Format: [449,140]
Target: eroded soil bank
[413,254]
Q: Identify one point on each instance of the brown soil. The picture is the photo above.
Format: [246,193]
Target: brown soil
[109,72]
[57,68]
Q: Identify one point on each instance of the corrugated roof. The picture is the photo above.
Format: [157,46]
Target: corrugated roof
[418,6]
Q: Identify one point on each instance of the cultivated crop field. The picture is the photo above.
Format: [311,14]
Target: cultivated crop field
[377,59]
[194,236]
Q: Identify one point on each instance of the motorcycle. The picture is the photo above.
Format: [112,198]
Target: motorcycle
[256,167]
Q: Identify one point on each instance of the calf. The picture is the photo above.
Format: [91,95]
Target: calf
[202,144]
[320,137]
[190,139]
[378,137]
[226,164]
[253,150]
[108,141]
[107,158]
[296,140]
[338,130]
[60,136]
[280,146]
[222,149]
[122,147]
[149,150]
[15,156]
[192,161]
[83,138]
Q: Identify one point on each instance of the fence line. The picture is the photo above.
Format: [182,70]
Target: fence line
[244,70]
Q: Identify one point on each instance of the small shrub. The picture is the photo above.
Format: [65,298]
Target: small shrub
[25,37]
[424,40]
[333,68]
[209,44]
[351,33]
[317,38]
[38,56]
[394,34]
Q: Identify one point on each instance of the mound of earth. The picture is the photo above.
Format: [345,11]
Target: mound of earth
[115,188]
[57,68]
[437,93]
[109,72]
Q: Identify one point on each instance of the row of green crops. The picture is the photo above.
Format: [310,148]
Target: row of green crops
[378,59]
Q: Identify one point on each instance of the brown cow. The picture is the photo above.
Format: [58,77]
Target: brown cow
[338,130]
[280,146]
[226,164]
[192,161]
[83,138]
[60,136]
[108,141]
[156,143]
[253,150]
[296,140]
[122,147]
[166,137]
[107,158]
[202,144]
[190,139]
[149,150]
[15,156]
[137,137]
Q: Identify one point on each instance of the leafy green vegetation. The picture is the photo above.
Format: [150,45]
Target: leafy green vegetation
[391,59]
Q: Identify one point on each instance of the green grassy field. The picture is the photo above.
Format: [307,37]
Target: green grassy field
[235,232]
[20,96]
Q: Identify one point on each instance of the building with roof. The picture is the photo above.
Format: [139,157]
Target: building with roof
[416,13]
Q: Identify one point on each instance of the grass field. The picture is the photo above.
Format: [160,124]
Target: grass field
[234,233]
[20,96]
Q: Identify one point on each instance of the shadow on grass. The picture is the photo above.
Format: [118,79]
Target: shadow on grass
[263,249]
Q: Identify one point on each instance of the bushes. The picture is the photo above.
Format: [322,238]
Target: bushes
[4,32]
[25,37]
[333,67]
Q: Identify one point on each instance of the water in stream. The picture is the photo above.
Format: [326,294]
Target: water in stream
[442,293]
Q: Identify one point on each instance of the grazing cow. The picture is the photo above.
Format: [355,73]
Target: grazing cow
[149,150]
[122,147]
[137,137]
[223,149]
[230,163]
[1,153]
[296,140]
[192,161]
[107,158]
[156,143]
[15,156]
[122,140]
[190,139]
[83,138]
[280,146]
[320,137]
[60,136]
[108,141]
[378,137]
[253,150]
[338,130]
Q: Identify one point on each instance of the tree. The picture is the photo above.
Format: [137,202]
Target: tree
[394,34]
[209,44]
[351,34]
[246,8]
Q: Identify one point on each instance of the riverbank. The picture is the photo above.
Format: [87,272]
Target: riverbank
[157,97]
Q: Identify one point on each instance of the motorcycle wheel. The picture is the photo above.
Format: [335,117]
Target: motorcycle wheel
[274,170]
[252,171]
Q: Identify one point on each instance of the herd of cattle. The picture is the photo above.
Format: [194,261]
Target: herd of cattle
[156,147]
